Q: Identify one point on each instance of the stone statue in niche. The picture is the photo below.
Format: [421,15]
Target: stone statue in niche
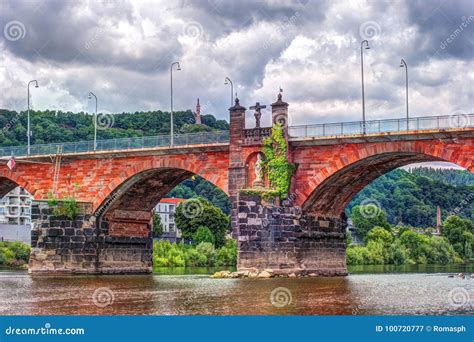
[258,168]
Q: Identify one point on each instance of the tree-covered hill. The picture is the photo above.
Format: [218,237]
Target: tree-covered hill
[411,198]
[448,176]
[199,187]
[56,126]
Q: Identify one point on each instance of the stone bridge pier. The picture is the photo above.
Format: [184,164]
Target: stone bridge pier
[85,245]
[288,240]
[281,237]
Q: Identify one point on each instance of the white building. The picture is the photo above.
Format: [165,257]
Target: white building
[166,209]
[15,216]
[15,207]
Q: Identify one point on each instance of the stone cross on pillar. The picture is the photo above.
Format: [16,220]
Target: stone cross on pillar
[258,113]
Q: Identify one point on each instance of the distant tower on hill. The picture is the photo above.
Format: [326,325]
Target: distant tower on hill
[198,113]
[439,224]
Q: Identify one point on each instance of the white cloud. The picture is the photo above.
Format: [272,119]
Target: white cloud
[122,51]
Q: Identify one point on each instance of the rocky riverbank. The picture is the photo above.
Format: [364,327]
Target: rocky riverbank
[262,274]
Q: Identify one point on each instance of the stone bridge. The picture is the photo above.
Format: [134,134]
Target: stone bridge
[118,188]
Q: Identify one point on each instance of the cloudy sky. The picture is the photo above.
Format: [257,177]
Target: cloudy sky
[122,51]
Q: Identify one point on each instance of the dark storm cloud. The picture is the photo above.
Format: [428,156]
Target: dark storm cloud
[87,32]
[446,27]
[123,51]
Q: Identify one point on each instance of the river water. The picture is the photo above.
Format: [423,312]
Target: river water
[375,290]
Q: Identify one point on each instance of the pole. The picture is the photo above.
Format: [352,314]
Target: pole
[28,121]
[171,113]
[227,79]
[95,123]
[362,73]
[28,129]
[406,89]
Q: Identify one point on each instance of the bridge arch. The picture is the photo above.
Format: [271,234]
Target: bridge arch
[9,180]
[157,176]
[353,167]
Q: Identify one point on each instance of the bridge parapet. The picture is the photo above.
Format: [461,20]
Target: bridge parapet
[254,136]
[381,127]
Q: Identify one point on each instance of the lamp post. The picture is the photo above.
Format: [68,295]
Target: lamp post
[171,81]
[28,130]
[229,81]
[404,64]
[95,119]
[366,42]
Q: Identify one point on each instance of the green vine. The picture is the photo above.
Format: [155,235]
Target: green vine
[67,206]
[265,194]
[277,166]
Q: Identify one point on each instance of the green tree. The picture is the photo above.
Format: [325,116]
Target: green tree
[381,235]
[364,222]
[459,232]
[203,234]
[227,254]
[207,249]
[417,244]
[157,225]
[199,212]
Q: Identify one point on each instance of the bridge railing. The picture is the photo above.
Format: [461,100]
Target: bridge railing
[383,126]
[119,144]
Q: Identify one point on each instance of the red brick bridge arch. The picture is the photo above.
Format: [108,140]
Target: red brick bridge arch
[10,180]
[328,185]
[146,182]
[126,201]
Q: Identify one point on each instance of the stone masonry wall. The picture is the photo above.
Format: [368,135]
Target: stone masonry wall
[287,241]
[60,245]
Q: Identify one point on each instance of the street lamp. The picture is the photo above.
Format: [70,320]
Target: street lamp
[171,81]
[404,64]
[366,42]
[95,119]
[28,130]
[228,81]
